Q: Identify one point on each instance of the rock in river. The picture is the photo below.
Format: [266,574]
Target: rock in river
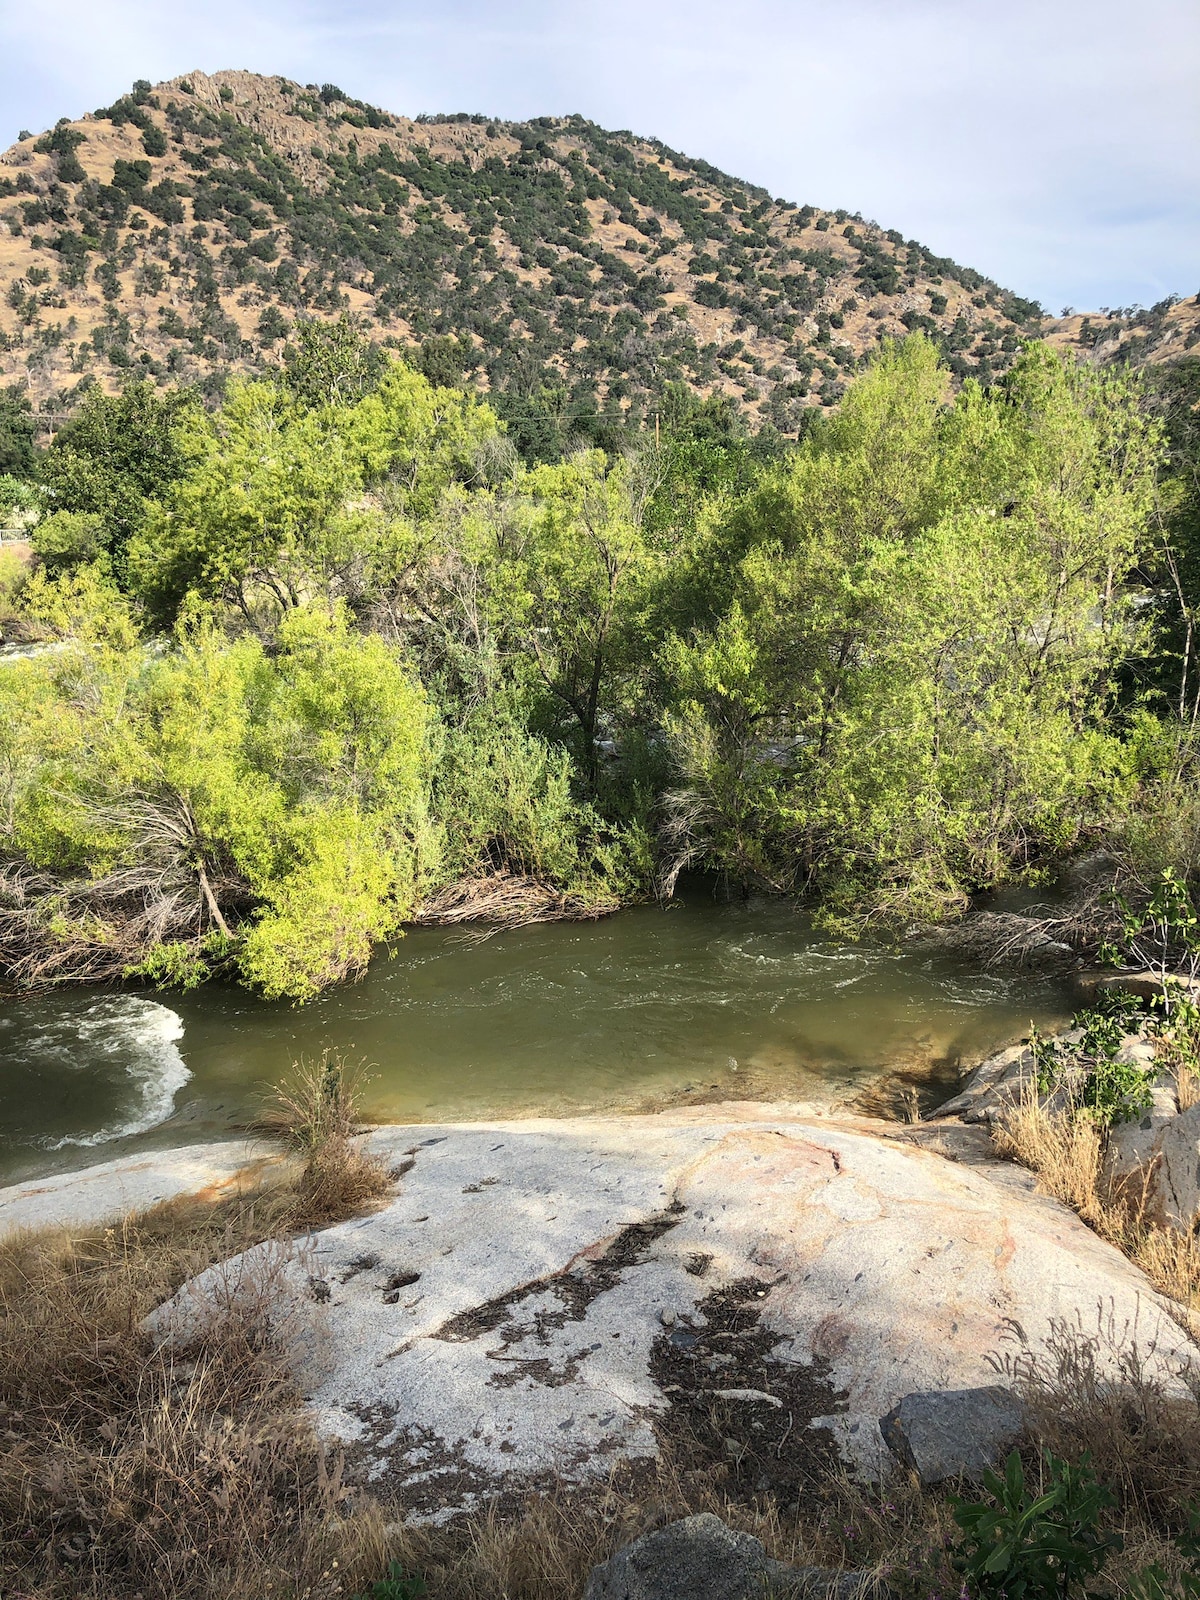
[543,1301]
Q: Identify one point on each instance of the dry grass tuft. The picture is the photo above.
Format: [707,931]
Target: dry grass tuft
[133,1470]
[1091,1392]
[317,1112]
[1066,1151]
[1187,1088]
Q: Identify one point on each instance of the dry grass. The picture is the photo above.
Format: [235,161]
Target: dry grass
[132,1470]
[316,1111]
[509,900]
[1066,1151]
[184,1468]
[1187,1088]
[1089,1393]
[546,1550]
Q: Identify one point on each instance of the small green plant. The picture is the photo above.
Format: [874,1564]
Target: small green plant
[1020,1543]
[1107,1090]
[1046,1060]
[1164,935]
[398,1585]
[1114,1090]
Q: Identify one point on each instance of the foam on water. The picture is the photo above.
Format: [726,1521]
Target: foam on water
[141,1034]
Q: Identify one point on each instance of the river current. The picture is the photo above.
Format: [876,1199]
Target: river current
[702,999]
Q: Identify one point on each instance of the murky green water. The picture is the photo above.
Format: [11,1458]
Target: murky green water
[699,1000]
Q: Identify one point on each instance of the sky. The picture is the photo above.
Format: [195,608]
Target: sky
[1054,145]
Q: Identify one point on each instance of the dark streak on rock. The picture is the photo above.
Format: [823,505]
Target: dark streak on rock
[575,1287]
[758,1447]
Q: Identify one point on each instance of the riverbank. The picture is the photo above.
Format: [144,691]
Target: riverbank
[563,1277]
[548,1335]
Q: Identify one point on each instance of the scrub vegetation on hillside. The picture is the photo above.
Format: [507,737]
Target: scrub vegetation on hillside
[571,272]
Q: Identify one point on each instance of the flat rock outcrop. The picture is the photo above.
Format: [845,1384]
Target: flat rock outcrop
[544,1301]
[110,1190]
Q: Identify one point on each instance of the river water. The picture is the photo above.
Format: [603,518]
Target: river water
[703,999]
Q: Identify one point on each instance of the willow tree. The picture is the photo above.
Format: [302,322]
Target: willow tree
[908,695]
[211,806]
[280,502]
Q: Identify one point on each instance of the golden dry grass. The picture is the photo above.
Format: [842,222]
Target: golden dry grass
[316,1111]
[546,1549]
[184,1468]
[1187,1088]
[133,1470]
[1066,1150]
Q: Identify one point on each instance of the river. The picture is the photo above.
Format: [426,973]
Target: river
[702,999]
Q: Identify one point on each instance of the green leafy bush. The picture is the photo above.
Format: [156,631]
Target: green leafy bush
[398,1585]
[1022,1542]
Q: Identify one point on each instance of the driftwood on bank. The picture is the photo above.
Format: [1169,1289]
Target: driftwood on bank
[509,900]
[94,931]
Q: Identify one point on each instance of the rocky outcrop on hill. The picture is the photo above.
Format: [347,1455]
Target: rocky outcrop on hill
[550,1301]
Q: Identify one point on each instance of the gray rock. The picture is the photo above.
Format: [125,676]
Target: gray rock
[1146,985]
[1133,1147]
[702,1559]
[954,1433]
[538,1258]
[1173,1197]
[113,1189]
[993,1087]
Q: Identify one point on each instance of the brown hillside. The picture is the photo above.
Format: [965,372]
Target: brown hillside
[1164,332]
[570,271]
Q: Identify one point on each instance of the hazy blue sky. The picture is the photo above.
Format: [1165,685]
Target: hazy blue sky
[1053,144]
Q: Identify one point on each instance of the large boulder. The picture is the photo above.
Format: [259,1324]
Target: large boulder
[1156,1159]
[700,1558]
[544,1301]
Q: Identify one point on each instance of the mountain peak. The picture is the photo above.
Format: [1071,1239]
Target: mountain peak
[569,271]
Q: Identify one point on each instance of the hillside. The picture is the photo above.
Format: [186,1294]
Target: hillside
[570,271]
[1135,334]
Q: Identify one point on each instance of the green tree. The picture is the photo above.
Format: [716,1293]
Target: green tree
[584,566]
[281,501]
[331,363]
[907,697]
[17,433]
[217,803]
[116,455]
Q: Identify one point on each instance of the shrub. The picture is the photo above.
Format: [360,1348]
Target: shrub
[316,1111]
[1022,1543]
